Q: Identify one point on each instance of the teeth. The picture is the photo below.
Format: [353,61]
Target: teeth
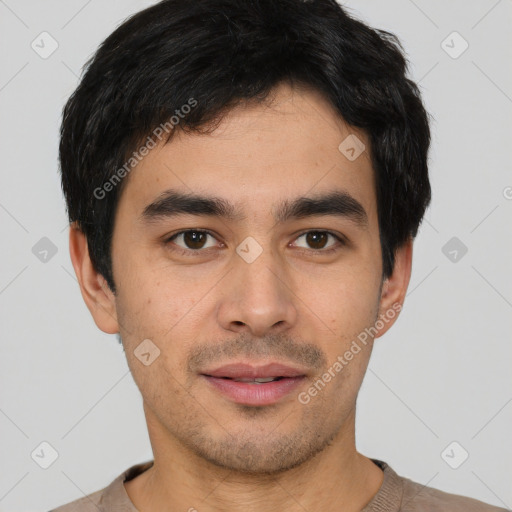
[258,379]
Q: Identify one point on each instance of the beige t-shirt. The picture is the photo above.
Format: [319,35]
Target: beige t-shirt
[396,494]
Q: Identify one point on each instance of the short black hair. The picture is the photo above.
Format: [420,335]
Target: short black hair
[212,55]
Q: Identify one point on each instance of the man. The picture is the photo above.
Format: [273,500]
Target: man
[244,181]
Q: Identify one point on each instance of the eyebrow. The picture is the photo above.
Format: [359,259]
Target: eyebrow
[172,203]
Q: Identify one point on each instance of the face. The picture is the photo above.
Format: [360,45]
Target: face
[255,276]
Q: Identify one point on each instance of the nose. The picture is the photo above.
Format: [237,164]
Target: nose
[258,298]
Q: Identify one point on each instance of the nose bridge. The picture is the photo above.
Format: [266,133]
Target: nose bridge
[259,267]
[258,297]
[257,270]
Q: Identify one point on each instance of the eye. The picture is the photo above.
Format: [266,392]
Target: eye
[193,240]
[317,240]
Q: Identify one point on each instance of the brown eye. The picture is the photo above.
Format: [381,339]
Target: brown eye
[193,240]
[318,240]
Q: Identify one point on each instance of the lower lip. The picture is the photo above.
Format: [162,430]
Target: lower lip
[255,394]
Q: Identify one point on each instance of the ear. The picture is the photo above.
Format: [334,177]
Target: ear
[95,291]
[394,289]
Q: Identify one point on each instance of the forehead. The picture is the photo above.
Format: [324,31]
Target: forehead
[293,145]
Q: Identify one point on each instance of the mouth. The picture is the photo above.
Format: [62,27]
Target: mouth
[249,385]
[256,380]
[252,372]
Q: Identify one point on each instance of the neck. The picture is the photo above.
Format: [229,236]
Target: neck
[336,479]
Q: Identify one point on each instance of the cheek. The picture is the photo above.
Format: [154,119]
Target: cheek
[150,310]
[348,302]
[152,296]
[166,307]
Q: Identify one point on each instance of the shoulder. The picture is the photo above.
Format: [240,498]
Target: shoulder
[110,498]
[89,503]
[417,497]
[401,494]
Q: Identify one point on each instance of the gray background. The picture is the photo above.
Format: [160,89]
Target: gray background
[442,373]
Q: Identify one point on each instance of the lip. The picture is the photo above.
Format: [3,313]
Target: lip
[248,371]
[255,394]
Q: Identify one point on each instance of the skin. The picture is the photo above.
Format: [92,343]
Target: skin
[292,304]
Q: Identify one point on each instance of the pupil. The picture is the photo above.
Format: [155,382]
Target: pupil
[312,239]
[194,239]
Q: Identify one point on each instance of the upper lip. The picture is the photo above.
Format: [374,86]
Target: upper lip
[247,371]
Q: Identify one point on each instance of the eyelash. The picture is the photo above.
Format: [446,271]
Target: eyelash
[197,252]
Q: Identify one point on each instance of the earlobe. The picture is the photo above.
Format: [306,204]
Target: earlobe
[95,291]
[395,287]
